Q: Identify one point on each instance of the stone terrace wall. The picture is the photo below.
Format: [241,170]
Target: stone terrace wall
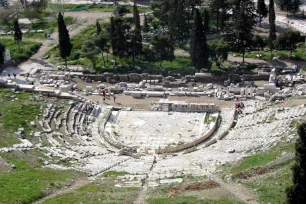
[134,77]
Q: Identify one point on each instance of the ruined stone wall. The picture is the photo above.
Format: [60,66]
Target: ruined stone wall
[136,78]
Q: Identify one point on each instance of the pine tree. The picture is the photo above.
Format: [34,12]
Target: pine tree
[163,48]
[272,30]
[65,45]
[145,24]
[17,33]
[261,10]
[199,50]
[244,19]
[296,194]
[206,20]
[98,27]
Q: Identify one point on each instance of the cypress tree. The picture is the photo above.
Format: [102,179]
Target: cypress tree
[261,10]
[17,33]
[272,30]
[206,20]
[2,49]
[136,37]
[145,24]
[65,45]
[98,27]
[296,194]
[199,50]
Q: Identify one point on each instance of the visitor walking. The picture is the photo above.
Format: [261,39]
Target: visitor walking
[8,75]
[114,97]
[14,75]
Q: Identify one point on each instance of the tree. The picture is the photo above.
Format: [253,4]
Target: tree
[261,10]
[2,50]
[101,43]
[145,24]
[118,37]
[288,41]
[291,6]
[218,49]
[206,20]
[90,51]
[163,48]
[98,27]
[297,192]
[244,19]
[198,45]
[258,42]
[17,33]
[272,28]
[65,45]
[216,7]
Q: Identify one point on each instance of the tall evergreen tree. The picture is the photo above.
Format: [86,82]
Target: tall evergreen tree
[216,7]
[2,49]
[118,37]
[101,43]
[164,12]
[198,46]
[244,18]
[98,27]
[261,10]
[296,194]
[17,33]
[65,45]
[145,24]
[291,6]
[206,20]
[136,37]
[181,24]
[272,28]
[163,48]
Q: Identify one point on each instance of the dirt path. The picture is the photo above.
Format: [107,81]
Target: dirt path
[239,191]
[77,184]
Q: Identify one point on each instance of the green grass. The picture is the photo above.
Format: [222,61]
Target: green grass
[188,200]
[27,49]
[271,188]
[28,182]
[102,191]
[114,173]
[15,114]
[262,158]
[298,54]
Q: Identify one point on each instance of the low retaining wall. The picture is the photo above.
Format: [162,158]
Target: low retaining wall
[188,145]
[198,77]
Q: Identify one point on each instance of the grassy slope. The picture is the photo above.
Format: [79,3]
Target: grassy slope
[28,182]
[188,200]
[101,191]
[269,187]
[27,49]
[15,114]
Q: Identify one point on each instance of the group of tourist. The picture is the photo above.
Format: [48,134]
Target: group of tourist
[102,92]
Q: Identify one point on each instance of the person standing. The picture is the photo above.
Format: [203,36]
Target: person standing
[114,97]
